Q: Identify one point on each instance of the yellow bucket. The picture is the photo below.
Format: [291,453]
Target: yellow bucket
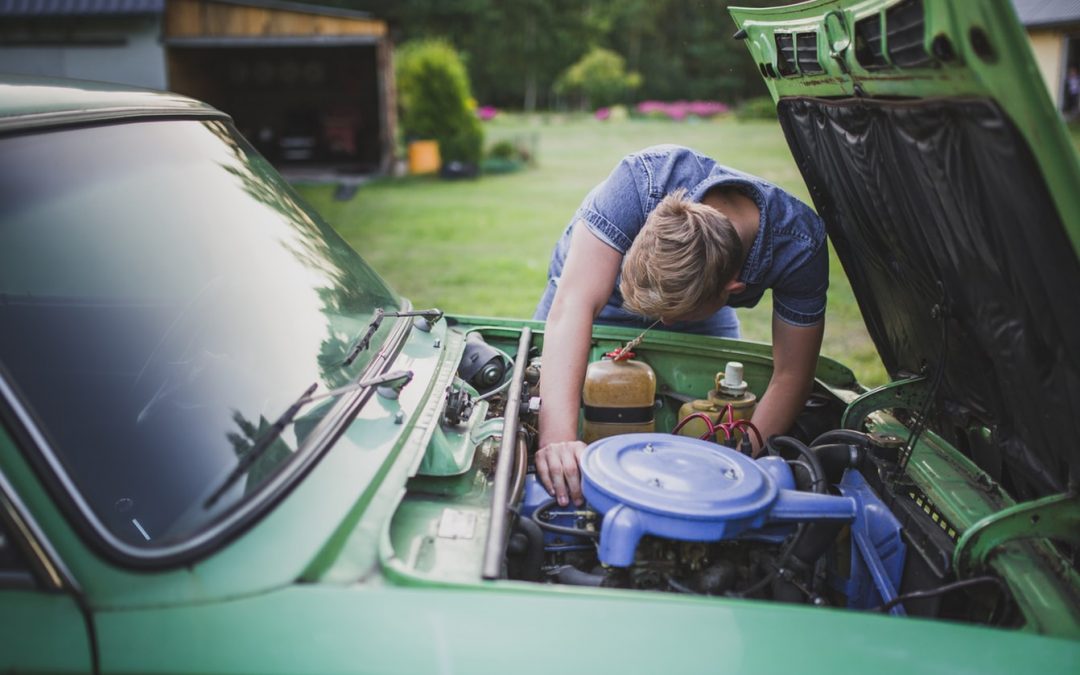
[423,157]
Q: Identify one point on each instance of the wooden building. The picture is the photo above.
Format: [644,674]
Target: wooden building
[307,85]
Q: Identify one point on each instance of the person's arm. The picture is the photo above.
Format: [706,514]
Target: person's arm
[587,280]
[795,353]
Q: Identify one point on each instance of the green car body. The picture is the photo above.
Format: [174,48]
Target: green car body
[362,538]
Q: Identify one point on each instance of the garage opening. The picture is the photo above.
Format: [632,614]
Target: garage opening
[309,86]
[297,105]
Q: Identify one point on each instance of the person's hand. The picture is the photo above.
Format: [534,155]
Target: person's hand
[557,464]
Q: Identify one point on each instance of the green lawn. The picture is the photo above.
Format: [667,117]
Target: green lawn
[482,247]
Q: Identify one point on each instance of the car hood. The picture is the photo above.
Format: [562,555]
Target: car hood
[948,185]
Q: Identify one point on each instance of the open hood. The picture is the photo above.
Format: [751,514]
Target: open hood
[951,193]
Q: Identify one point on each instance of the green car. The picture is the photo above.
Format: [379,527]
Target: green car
[228,446]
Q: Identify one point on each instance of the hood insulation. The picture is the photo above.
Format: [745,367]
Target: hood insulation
[940,202]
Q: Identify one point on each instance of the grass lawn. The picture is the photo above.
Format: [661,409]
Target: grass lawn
[482,246]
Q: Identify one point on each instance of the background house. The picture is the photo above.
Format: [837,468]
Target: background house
[306,84]
[1053,27]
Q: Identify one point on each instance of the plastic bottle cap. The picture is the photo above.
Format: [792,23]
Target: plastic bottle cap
[733,379]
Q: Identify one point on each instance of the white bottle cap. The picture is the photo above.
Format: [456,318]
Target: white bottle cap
[733,383]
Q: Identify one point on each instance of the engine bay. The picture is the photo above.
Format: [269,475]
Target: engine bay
[675,501]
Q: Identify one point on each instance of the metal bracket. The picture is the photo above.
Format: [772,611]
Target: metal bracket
[1053,517]
[909,394]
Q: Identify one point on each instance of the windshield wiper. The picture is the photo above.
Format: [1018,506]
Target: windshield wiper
[261,445]
[393,381]
[429,315]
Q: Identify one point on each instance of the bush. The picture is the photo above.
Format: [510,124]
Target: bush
[433,93]
[761,108]
[599,79]
[508,156]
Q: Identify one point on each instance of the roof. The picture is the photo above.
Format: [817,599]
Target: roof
[33,102]
[292,6]
[1036,13]
[26,8]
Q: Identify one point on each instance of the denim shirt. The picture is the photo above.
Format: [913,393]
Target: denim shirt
[788,255]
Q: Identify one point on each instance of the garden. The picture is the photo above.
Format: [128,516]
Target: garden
[482,246]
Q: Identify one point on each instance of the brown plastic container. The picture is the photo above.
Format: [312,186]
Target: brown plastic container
[618,397]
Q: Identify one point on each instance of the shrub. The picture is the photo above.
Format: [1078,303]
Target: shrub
[503,150]
[433,93]
[760,108]
[599,79]
[509,155]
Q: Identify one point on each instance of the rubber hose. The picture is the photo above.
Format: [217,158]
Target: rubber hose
[843,436]
[568,574]
[835,458]
[819,484]
[521,465]
[534,554]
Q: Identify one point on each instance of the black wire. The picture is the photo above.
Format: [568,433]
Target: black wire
[939,374]
[777,566]
[559,529]
[681,588]
[929,593]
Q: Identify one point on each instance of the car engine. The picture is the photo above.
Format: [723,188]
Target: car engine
[675,502]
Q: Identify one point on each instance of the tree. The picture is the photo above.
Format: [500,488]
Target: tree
[599,79]
[515,50]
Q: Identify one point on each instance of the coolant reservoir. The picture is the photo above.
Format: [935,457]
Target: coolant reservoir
[618,398]
[730,389]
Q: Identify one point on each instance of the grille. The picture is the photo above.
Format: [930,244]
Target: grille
[906,27]
[806,53]
[868,43]
[785,53]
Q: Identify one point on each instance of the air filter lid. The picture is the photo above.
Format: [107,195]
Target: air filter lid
[675,476]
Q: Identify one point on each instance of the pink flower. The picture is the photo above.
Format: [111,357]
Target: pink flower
[487,112]
[680,110]
[603,113]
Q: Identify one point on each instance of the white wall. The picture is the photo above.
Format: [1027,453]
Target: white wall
[139,60]
[1049,49]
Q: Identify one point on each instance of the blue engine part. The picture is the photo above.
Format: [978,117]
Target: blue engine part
[877,549]
[690,490]
[535,496]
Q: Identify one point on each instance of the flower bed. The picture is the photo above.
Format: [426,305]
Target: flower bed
[681,110]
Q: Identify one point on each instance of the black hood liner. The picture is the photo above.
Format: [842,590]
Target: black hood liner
[934,199]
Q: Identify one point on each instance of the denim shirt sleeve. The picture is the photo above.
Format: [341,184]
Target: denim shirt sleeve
[799,297]
[613,211]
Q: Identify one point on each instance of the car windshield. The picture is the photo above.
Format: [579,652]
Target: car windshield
[164,299]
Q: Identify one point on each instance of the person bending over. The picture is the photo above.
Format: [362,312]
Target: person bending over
[671,235]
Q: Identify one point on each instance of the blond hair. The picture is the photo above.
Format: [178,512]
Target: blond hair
[682,259]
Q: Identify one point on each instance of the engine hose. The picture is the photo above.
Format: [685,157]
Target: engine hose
[568,574]
[835,458]
[818,481]
[843,436]
[521,465]
[816,540]
[534,554]
[559,529]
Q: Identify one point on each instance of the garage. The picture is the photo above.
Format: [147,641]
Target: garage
[308,86]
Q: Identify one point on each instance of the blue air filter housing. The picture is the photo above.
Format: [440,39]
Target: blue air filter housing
[690,490]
